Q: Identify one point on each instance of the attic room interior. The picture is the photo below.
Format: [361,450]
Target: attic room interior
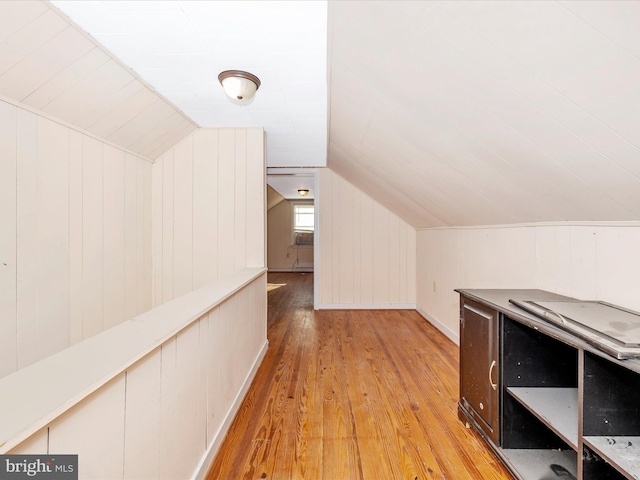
[442,198]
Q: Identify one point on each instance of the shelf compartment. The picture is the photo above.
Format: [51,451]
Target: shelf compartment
[537,463]
[556,407]
[621,452]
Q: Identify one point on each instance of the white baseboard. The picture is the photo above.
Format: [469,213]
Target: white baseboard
[455,337]
[207,459]
[366,306]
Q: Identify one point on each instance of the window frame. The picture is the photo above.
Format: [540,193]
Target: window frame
[293,221]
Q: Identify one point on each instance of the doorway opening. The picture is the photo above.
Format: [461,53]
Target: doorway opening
[292,222]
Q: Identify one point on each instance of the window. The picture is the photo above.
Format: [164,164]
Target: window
[303,216]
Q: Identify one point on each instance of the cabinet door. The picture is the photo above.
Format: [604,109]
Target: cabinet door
[479,364]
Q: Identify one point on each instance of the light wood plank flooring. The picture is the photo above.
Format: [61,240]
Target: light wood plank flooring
[351,394]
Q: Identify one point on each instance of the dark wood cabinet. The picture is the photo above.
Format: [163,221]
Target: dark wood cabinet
[548,403]
[479,365]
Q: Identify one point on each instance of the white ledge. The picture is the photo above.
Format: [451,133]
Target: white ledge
[36,395]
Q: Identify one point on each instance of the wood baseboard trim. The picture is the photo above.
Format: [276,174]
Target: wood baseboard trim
[207,460]
[453,336]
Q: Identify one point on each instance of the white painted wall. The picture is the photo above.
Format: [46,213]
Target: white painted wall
[75,242]
[367,253]
[165,416]
[281,255]
[208,209]
[589,261]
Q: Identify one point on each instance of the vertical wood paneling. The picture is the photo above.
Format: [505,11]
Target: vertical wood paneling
[357,247]
[157,201]
[367,253]
[367,259]
[226,198]
[183,218]
[113,225]
[91,237]
[381,254]
[64,241]
[140,249]
[256,196]
[27,239]
[394,259]
[402,263]
[102,414]
[411,264]
[180,438]
[618,264]
[584,271]
[156,419]
[142,419]
[167,227]
[205,207]
[75,237]
[8,241]
[590,262]
[53,238]
[147,300]
[203,392]
[215,341]
[519,258]
[345,237]
[336,257]
[131,281]
[563,260]
[240,200]
[326,245]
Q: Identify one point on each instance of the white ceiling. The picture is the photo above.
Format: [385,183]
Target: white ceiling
[288,186]
[180,47]
[488,112]
[446,112]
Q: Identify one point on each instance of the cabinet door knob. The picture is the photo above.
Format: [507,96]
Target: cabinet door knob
[493,385]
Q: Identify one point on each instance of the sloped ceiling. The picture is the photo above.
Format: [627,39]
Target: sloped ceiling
[446,112]
[472,113]
[49,64]
[180,46]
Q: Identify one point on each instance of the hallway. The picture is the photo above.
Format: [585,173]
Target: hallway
[351,394]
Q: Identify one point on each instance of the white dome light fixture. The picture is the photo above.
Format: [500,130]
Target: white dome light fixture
[238,84]
[303,192]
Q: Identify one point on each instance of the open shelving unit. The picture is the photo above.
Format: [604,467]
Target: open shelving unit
[539,403]
[555,407]
[566,408]
[611,424]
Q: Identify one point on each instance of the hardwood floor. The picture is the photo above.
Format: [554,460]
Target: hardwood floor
[351,394]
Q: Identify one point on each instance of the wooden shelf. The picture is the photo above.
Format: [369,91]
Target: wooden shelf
[555,407]
[621,452]
[536,463]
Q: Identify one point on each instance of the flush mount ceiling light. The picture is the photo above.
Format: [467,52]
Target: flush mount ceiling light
[303,192]
[238,84]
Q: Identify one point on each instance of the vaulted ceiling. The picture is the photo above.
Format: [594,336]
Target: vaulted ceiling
[468,113]
[446,112]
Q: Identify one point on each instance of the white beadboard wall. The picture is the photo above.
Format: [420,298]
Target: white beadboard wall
[166,415]
[591,261]
[281,255]
[367,253]
[75,242]
[208,209]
